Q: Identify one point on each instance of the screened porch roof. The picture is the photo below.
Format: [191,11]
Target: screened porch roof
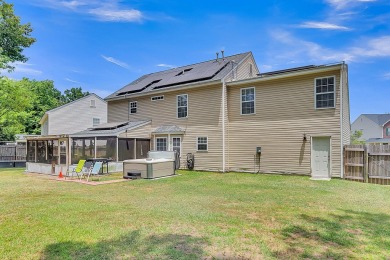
[110,129]
[168,129]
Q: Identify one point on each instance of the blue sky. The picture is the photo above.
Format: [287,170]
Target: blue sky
[103,45]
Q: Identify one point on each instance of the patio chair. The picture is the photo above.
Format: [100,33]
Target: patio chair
[95,169]
[78,170]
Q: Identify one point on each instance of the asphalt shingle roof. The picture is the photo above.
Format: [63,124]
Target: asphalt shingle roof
[200,72]
[379,119]
[168,129]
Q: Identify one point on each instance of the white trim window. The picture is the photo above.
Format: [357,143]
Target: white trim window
[202,143]
[325,92]
[182,106]
[161,144]
[95,121]
[247,101]
[132,107]
[92,103]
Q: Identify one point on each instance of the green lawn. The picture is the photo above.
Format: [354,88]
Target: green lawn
[195,215]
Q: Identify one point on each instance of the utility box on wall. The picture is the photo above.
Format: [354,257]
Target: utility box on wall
[258,150]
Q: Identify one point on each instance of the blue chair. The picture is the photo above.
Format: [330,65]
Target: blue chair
[95,169]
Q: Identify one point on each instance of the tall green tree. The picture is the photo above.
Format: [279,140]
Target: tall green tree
[15,101]
[73,94]
[14,37]
[44,97]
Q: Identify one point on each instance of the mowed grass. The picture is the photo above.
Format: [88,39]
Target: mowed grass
[197,215]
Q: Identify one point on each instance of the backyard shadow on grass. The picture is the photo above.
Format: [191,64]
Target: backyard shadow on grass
[347,234]
[131,246]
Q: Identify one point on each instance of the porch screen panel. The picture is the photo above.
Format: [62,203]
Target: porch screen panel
[83,148]
[31,151]
[125,149]
[106,147]
[41,151]
[50,151]
[143,147]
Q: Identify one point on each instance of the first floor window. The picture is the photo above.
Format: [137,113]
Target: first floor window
[202,144]
[161,144]
[325,92]
[182,106]
[247,101]
[133,107]
[96,121]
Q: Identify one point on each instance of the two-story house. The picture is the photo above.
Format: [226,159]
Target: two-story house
[234,118]
[375,127]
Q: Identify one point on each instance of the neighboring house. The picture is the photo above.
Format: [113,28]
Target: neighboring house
[373,126]
[224,111]
[75,116]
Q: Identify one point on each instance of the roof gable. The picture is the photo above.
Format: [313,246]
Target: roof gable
[379,119]
[44,117]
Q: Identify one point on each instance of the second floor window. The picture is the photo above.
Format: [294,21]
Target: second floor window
[182,106]
[133,107]
[325,92]
[96,121]
[247,101]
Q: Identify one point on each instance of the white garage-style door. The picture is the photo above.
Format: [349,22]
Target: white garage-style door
[320,158]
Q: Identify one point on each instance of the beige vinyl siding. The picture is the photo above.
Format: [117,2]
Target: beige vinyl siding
[242,71]
[76,116]
[346,115]
[285,110]
[204,111]
[143,132]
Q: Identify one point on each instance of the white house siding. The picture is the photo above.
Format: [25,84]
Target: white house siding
[76,116]
[203,120]
[284,113]
[370,129]
[45,128]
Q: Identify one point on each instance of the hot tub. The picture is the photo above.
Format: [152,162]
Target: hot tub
[155,166]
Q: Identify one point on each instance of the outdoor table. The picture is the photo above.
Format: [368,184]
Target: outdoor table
[103,160]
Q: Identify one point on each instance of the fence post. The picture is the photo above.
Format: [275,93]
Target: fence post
[365,163]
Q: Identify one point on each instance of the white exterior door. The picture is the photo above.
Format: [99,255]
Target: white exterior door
[176,145]
[320,158]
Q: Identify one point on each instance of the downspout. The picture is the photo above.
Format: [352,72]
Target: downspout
[223,124]
[341,121]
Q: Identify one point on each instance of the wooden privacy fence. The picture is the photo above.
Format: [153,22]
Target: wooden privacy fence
[10,153]
[367,163]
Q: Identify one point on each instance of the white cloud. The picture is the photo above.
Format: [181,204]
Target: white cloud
[323,26]
[73,81]
[290,48]
[295,49]
[114,15]
[166,65]
[378,47]
[26,68]
[71,4]
[387,75]
[116,62]
[343,4]
[109,11]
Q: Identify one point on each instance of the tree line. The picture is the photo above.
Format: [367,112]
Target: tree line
[23,102]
